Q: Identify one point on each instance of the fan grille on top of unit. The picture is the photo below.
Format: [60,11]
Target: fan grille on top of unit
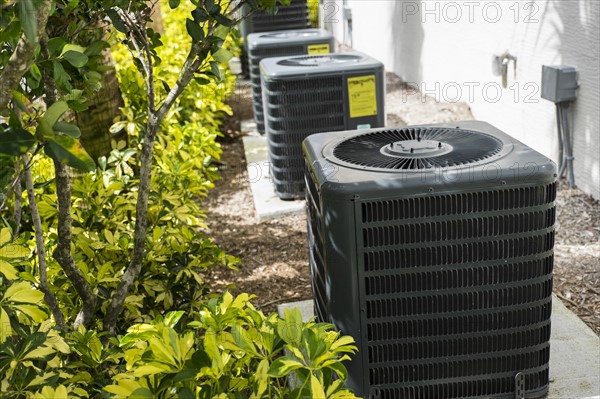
[318,60]
[417,148]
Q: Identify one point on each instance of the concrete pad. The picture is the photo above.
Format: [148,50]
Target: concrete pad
[574,352]
[266,203]
[574,356]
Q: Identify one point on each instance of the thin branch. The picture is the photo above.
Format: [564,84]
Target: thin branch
[18,208]
[141,223]
[41,250]
[12,185]
[21,59]
[62,253]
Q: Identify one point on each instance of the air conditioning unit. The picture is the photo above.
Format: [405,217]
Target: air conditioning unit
[294,16]
[303,95]
[433,247]
[279,44]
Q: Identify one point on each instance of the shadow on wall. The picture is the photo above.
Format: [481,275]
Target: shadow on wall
[407,43]
[579,46]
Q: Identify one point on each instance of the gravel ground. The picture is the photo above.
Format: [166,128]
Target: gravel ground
[273,254]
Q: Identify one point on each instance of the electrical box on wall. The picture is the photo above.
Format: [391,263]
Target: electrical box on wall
[559,83]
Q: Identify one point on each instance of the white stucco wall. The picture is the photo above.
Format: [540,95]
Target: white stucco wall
[446,49]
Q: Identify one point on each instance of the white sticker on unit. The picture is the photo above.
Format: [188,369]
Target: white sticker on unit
[365,126]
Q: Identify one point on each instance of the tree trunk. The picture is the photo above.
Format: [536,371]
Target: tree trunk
[95,122]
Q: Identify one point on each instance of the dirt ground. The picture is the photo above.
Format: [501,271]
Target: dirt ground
[274,256]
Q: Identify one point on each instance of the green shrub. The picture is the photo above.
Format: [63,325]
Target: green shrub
[231,350]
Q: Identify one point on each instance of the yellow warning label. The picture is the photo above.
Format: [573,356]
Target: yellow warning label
[319,48]
[362,95]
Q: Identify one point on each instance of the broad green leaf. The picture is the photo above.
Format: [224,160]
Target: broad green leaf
[150,369]
[22,292]
[22,102]
[339,369]
[283,365]
[72,47]
[142,393]
[61,76]
[222,55]
[55,45]
[55,111]
[39,353]
[41,380]
[223,20]
[172,318]
[14,251]
[15,141]
[67,128]
[28,17]
[5,236]
[186,393]
[222,32]
[162,353]
[70,151]
[201,80]
[34,312]
[76,59]
[214,67]
[316,387]
[95,48]
[290,328]
[35,72]
[108,235]
[8,270]
[116,20]
[194,30]
[5,328]
[174,4]
[344,340]
[124,388]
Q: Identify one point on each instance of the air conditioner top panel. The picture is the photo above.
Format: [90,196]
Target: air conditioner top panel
[290,67]
[287,37]
[422,159]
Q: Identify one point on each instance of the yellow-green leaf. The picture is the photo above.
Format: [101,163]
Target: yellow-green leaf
[5,236]
[29,295]
[32,311]
[316,388]
[39,352]
[283,365]
[109,237]
[8,270]
[5,328]
[151,369]
[14,251]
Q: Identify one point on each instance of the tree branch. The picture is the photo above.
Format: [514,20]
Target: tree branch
[62,253]
[141,226]
[17,209]
[21,59]
[41,250]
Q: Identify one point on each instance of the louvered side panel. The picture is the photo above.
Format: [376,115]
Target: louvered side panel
[457,293]
[255,55]
[316,247]
[293,111]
